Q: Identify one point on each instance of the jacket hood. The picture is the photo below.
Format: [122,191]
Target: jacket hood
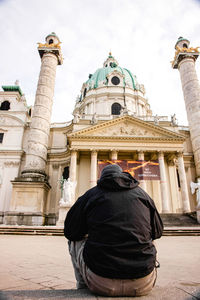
[114,179]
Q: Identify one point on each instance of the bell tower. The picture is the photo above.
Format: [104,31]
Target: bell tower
[184,61]
[30,190]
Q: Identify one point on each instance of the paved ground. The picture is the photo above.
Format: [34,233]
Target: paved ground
[39,267]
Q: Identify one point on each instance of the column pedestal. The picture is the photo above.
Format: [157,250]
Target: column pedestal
[63,210]
[28,203]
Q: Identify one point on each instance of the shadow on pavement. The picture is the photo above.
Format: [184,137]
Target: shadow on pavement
[45,294]
[158,293]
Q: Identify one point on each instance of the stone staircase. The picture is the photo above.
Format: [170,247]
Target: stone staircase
[174,225]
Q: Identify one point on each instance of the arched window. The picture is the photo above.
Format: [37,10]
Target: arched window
[66,173]
[115,109]
[1,137]
[5,105]
[84,93]
[50,41]
[185,45]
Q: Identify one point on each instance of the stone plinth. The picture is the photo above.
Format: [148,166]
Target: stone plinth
[28,203]
[63,210]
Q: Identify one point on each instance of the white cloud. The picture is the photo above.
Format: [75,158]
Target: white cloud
[140,33]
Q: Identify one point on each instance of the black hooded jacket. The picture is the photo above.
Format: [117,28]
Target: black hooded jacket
[121,221]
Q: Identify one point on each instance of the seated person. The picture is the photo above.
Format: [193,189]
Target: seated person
[111,229]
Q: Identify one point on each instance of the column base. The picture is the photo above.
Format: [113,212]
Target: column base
[1,217]
[24,218]
[50,219]
[198,216]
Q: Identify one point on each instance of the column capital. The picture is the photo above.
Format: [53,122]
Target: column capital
[170,159]
[55,165]
[73,150]
[93,151]
[154,156]
[140,151]
[161,154]
[52,46]
[114,150]
[180,153]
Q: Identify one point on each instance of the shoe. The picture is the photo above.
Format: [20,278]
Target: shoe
[81,285]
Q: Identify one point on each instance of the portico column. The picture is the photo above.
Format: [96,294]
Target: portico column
[183,183]
[142,182]
[93,169]
[114,154]
[73,164]
[163,184]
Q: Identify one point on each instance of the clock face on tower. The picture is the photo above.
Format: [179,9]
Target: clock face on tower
[115,80]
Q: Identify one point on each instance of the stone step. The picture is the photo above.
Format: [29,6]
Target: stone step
[187,219]
[31,230]
[58,231]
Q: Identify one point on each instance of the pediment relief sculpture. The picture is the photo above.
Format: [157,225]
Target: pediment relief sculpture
[127,127]
[125,130]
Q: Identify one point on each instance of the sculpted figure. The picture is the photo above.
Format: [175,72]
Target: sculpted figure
[173,120]
[196,187]
[156,119]
[76,118]
[94,119]
[68,192]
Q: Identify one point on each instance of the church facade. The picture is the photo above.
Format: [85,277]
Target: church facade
[44,167]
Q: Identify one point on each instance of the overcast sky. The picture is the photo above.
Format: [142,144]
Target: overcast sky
[140,33]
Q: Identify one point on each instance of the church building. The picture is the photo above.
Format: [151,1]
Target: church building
[45,167]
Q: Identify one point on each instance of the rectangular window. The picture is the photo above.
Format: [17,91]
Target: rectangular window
[1,137]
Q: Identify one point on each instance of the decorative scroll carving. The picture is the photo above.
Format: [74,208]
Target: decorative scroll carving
[184,50]
[46,45]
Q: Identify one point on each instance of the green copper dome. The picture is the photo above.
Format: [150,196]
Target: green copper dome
[100,77]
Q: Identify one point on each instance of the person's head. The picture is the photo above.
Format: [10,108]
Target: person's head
[111,169]
[114,179]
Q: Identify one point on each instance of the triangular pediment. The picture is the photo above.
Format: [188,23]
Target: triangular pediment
[127,127]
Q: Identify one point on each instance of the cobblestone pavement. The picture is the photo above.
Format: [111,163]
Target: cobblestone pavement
[39,267]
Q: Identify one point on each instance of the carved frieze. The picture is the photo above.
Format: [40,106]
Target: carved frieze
[125,130]
[55,165]
[41,124]
[42,111]
[40,137]
[11,164]
[37,149]
[34,162]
